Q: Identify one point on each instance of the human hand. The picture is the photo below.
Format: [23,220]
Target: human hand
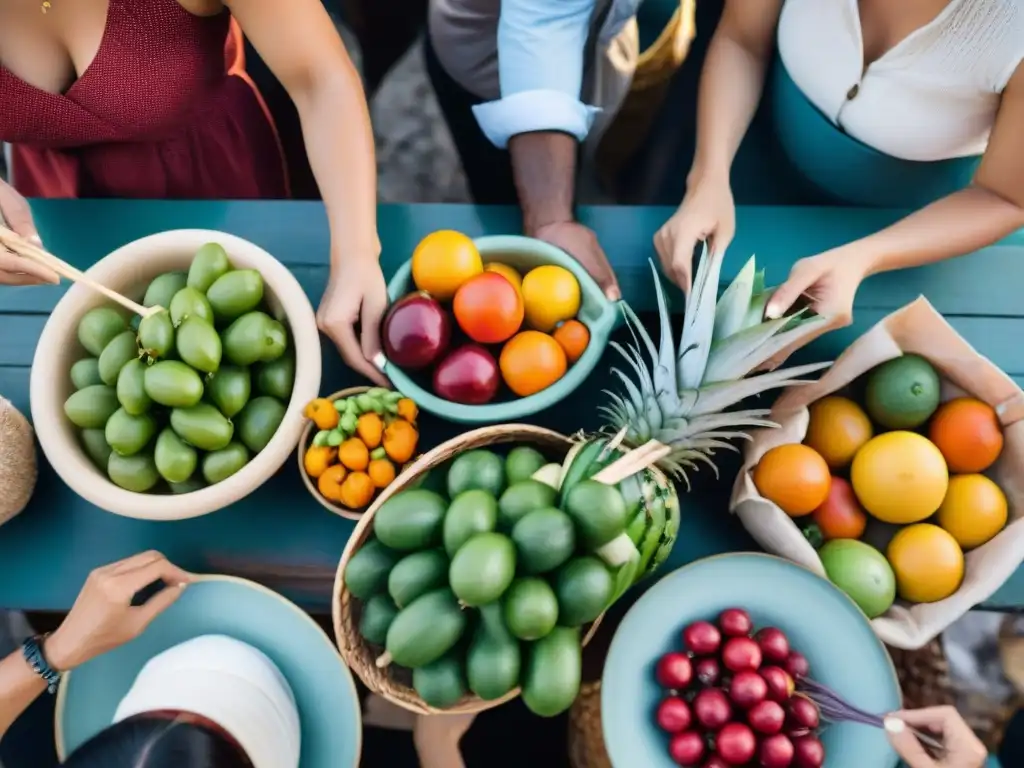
[706,213]
[14,269]
[962,747]
[437,738]
[103,617]
[581,243]
[359,296]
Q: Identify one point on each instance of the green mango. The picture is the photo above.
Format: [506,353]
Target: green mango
[193,484]
[235,293]
[90,408]
[258,422]
[222,464]
[203,426]
[254,337]
[156,335]
[229,389]
[188,302]
[131,388]
[98,327]
[162,289]
[128,434]
[199,345]
[175,459]
[209,263]
[174,384]
[276,378]
[116,354]
[96,448]
[135,473]
[85,373]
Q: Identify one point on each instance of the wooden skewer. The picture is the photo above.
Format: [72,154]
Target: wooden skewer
[19,245]
[639,458]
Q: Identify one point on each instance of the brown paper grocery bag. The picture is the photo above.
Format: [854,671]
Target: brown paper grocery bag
[916,328]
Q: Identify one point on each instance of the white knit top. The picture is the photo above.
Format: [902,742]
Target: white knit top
[933,96]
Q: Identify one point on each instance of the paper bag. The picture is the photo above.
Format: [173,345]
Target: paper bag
[916,328]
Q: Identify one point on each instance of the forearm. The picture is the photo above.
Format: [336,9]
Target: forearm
[19,687]
[544,168]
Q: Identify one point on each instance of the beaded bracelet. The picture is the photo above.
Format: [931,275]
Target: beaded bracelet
[32,649]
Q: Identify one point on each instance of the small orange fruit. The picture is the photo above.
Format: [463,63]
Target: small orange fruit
[443,261]
[837,428]
[509,273]
[973,511]
[793,476]
[927,561]
[551,294]
[968,433]
[900,477]
[572,336]
[840,516]
[531,361]
[488,308]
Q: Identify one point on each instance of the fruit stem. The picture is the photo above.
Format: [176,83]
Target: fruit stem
[383,660]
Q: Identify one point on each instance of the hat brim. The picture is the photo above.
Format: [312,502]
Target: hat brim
[324,690]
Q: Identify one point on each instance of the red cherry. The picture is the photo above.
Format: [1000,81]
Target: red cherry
[780,684]
[747,688]
[708,670]
[803,714]
[711,708]
[736,744]
[797,665]
[808,752]
[673,715]
[768,717]
[735,622]
[715,762]
[740,653]
[702,638]
[686,748]
[774,644]
[776,752]
[674,671]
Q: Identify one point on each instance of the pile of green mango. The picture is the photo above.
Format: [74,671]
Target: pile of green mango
[481,579]
[185,397]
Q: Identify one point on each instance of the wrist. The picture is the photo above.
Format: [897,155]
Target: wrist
[533,224]
[707,171]
[59,654]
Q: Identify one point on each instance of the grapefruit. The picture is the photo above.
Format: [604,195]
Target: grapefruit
[902,393]
[899,477]
[928,563]
[443,261]
[968,433]
[840,516]
[973,511]
[862,572]
[836,429]
[794,477]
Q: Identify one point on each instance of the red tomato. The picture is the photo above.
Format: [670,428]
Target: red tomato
[840,516]
[488,308]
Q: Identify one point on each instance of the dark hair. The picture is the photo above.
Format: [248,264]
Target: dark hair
[149,742]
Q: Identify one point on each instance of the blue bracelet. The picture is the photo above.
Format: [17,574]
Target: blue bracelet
[32,649]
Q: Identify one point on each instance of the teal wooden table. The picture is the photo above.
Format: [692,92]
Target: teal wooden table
[46,552]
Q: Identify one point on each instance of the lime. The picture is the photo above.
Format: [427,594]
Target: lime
[902,393]
[862,572]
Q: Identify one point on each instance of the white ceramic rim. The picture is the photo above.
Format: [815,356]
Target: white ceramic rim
[75,468]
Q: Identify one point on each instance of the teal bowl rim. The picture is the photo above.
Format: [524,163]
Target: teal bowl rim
[606,320]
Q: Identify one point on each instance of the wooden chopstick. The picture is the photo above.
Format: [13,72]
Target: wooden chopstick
[26,249]
[632,462]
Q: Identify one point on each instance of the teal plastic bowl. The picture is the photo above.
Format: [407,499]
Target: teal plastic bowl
[821,622]
[600,315]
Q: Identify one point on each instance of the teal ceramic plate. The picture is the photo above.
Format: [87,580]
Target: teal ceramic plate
[323,687]
[821,622]
[524,253]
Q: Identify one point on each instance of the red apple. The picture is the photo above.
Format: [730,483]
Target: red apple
[776,752]
[768,717]
[808,752]
[711,708]
[467,375]
[708,670]
[747,688]
[735,622]
[780,684]
[702,638]
[736,744]
[415,332]
[673,715]
[674,671]
[740,653]
[803,714]
[774,644]
[797,665]
[687,748]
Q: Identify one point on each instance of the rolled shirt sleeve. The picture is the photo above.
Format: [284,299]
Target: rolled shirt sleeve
[540,68]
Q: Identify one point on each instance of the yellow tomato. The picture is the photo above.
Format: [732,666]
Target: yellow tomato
[551,294]
[443,261]
[927,561]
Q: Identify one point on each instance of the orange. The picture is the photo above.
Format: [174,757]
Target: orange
[973,511]
[531,361]
[927,561]
[838,427]
[968,433]
[840,516]
[509,273]
[551,294]
[488,308]
[793,476]
[899,477]
[572,336]
[443,261]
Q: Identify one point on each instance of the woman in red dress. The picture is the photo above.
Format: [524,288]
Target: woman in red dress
[149,99]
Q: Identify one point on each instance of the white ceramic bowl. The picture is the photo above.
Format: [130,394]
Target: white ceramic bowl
[129,270]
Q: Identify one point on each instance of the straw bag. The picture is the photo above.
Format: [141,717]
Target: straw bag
[17,461]
[395,685]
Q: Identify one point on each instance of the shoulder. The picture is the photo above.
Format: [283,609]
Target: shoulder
[990,33]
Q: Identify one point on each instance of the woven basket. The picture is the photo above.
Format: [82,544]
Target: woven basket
[18,469]
[395,684]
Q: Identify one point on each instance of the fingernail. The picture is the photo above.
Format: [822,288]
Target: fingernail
[772,313]
[182,584]
[894,725]
[35,238]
